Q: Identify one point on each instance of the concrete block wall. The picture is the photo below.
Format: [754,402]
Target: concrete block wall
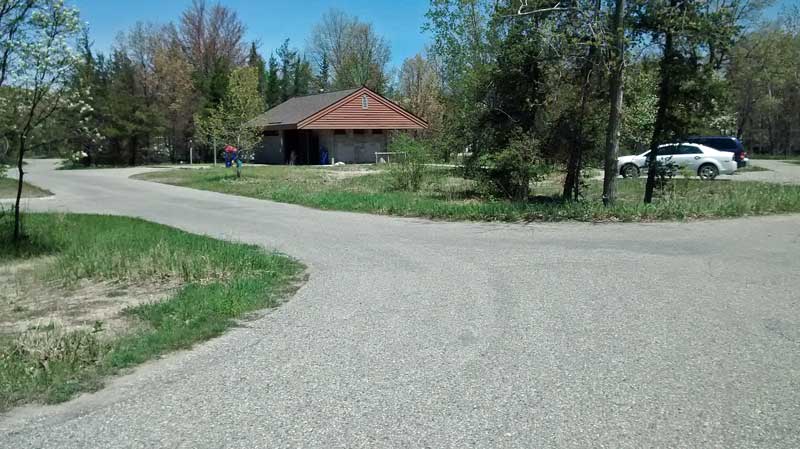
[354,148]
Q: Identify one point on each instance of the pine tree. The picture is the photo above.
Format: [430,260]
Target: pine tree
[272,95]
[303,76]
[256,61]
[286,57]
[323,79]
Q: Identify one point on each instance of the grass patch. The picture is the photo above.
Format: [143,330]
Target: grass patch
[219,282]
[8,189]
[445,195]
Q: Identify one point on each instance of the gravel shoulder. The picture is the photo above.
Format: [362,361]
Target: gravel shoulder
[779,172]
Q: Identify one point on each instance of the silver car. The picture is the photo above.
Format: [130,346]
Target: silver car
[707,162]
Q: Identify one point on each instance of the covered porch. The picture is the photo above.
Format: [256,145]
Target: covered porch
[310,146]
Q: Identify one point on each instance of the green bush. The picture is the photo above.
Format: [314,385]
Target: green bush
[511,170]
[408,174]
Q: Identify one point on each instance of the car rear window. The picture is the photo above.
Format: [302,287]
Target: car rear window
[724,144]
[718,143]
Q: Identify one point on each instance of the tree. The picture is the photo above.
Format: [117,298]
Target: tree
[286,58]
[212,38]
[302,77]
[615,95]
[273,88]
[763,76]
[420,89]
[227,124]
[696,38]
[256,61]
[176,96]
[323,74]
[38,67]
[14,15]
[356,54]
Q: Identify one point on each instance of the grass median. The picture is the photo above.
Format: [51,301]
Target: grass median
[8,189]
[86,296]
[446,195]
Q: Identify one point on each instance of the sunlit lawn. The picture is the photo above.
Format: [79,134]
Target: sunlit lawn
[446,195]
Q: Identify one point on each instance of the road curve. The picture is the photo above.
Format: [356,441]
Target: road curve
[411,333]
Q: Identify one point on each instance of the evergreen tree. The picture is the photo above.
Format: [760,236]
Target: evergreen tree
[302,77]
[257,62]
[286,58]
[324,76]
[272,94]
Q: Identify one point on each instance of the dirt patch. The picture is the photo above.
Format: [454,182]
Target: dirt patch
[337,174]
[27,302]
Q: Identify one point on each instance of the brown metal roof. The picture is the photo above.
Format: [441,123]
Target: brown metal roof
[289,113]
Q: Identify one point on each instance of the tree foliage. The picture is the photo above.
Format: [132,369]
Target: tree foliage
[355,54]
[37,63]
[766,88]
[227,123]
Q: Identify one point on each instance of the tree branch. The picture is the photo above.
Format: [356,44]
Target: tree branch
[521,11]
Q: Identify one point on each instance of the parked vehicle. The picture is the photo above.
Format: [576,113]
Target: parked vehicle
[721,143]
[707,162]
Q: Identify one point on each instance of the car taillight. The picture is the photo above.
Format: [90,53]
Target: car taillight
[742,155]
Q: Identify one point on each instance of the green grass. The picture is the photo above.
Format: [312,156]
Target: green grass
[8,189]
[220,282]
[449,197]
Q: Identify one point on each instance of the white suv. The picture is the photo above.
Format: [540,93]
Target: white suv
[705,161]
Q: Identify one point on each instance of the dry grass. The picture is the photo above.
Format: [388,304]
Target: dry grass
[8,190]
[84,296]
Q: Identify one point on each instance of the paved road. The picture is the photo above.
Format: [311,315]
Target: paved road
[412,333]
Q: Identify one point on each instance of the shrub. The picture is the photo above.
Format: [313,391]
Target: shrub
[410,171]
[511,170]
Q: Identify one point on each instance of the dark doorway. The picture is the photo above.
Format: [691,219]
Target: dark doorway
[313,149]
[302,147]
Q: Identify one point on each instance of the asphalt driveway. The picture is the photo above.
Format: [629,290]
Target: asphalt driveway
[411,333]
[779,171]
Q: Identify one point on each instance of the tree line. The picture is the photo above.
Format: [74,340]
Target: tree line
[165,89]
[510,88]
[532,83]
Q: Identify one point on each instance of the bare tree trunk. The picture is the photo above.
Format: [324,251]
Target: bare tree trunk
[21,174]
[664,98]
[616,90]
[572,182]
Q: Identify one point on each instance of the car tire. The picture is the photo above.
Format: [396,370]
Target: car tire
[629,171]
[708,172]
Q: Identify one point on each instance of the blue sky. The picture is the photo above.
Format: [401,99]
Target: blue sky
[269,22]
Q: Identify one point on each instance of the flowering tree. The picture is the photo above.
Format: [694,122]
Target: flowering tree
[38,60]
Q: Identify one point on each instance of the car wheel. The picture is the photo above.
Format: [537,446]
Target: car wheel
[707,172]
[630,171]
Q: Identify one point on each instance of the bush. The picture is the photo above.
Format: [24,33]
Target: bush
[511,170]
[410,171]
